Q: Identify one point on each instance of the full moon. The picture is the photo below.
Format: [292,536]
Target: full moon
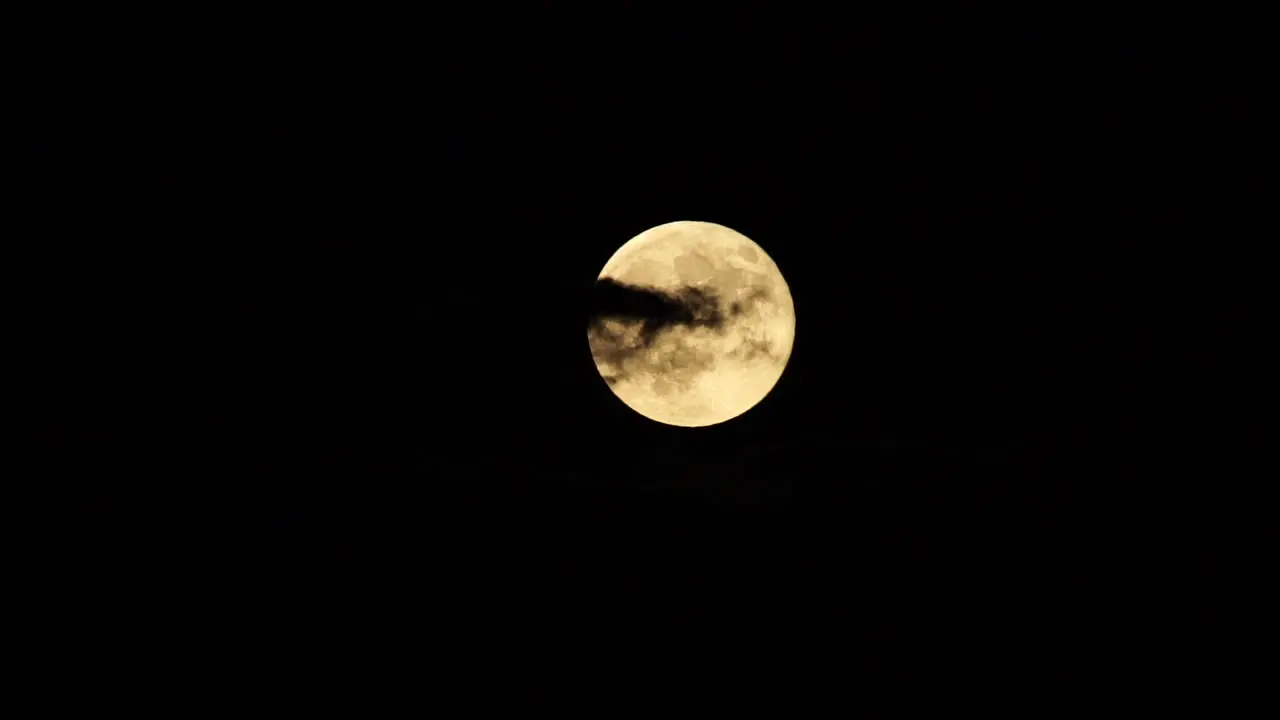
[692,324]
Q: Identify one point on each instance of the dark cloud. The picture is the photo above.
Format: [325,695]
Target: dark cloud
[655,310]
[625,320]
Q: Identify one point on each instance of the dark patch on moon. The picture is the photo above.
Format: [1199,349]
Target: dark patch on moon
[751,349]
[655,309]
[625,320]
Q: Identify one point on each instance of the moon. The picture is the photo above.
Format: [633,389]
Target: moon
[691,323]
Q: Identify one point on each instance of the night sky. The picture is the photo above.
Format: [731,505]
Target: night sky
[307,413]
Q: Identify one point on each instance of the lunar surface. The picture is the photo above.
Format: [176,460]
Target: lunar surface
[691,324]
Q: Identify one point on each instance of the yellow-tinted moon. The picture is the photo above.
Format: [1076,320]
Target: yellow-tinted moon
[697,326]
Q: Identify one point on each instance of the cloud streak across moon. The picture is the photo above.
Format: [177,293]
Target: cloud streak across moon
[627,320]
[691,324]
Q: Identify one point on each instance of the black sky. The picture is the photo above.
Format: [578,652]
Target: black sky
[305,389]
